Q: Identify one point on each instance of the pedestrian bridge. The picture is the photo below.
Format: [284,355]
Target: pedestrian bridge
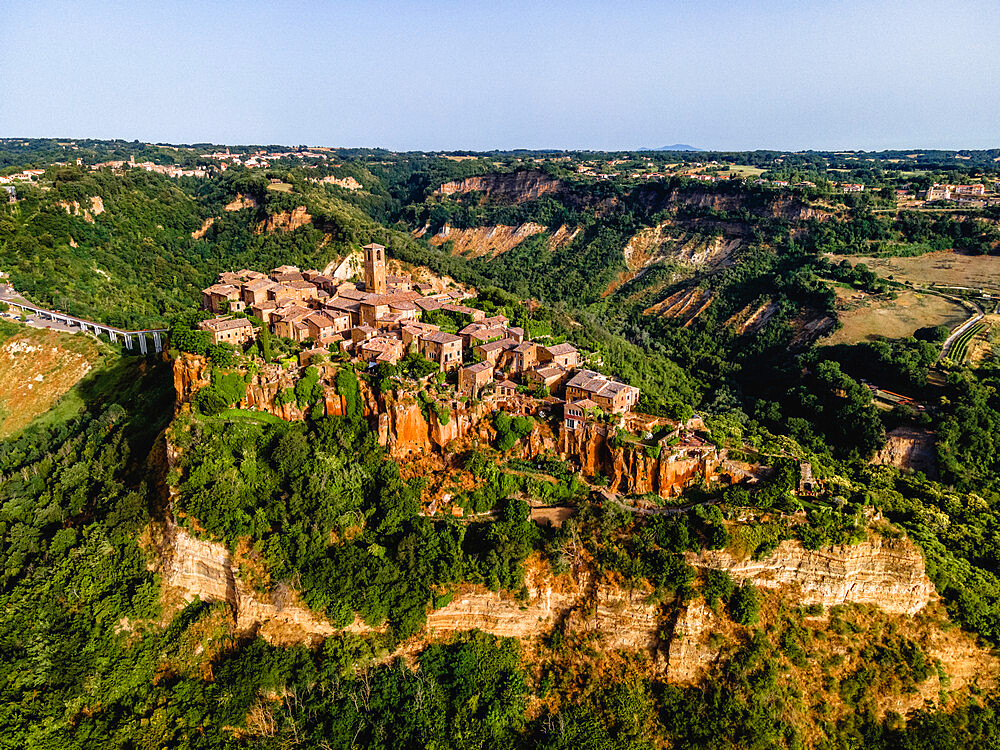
[130,338]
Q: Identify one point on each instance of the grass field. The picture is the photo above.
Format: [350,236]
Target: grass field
[941,267]
[865,318]
[281,187]
[38,370]
[745,171]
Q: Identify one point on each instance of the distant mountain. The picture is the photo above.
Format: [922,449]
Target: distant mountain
[674,147]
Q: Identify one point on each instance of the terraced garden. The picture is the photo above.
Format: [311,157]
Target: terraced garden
[960,349]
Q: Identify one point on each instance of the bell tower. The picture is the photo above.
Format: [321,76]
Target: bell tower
[374,268]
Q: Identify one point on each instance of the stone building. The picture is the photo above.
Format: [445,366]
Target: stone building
[235,331]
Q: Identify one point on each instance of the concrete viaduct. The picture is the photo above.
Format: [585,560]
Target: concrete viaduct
[131,338]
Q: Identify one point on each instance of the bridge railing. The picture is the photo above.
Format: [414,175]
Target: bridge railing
[130,338]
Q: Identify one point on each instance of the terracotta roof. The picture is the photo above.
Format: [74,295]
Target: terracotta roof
[224,324]
[351,293]
[320,320]
[440,337]
[478,367]
[506,384]
[493,346]
[559,349]
[222,289]
[259,284]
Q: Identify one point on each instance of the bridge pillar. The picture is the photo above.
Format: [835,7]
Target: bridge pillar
[112,335]
[142,343]
[157,343]
[128,340]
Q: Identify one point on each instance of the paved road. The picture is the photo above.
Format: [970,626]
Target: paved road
[948,342]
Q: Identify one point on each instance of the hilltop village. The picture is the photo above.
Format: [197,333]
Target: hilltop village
[380,320]
[484,366]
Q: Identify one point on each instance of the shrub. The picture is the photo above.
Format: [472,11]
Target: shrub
[744,605]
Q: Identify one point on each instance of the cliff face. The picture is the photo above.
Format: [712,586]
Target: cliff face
[909,448]
[285,221]
[623,619]
[516,186]
[191,568]
[408,429]
[631,471]
[887,573]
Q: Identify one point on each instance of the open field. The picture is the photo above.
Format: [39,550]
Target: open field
[38,367]
[280,187]
[943,267]
[745,171]
[865,318]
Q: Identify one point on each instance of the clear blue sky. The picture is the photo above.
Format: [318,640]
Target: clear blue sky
[478,75]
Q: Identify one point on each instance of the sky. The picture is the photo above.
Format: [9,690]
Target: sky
[442,75]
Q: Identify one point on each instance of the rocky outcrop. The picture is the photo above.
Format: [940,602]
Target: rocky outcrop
[285,221]
[623,619]
[192,568]
[240,202]
[631,470]
[191,374]
[477,242]
[689,654]
[197,234]
[886,573]
[514,186]
[909,448]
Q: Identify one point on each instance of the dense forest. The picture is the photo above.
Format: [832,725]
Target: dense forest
[94,658]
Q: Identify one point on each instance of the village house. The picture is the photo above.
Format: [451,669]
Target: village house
[256,292]
[382,349]
[323,327]
[348,306]
[577,413]
[398,284]
[491,351]
[289,323]
[443,348]
[235,331]
[564,355]
[506,389]
[549,376]
[221,298]
[611,395]
[413,329]
[472,379]
[470,312]
[519,358]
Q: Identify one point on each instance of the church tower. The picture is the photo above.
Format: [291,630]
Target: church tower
[374,268]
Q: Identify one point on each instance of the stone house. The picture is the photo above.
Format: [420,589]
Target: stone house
[520,358]
[472,379]
[564,355]
[506,389]
[550,376]
[611,395]
[222,298]
[255,291]
[491,351]
[575,414]
[443,348]
[235,331]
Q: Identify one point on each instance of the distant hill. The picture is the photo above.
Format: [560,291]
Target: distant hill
[674,147]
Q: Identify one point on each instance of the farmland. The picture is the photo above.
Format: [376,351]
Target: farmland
[944,267]
[864,317]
